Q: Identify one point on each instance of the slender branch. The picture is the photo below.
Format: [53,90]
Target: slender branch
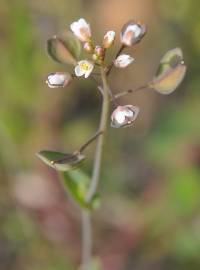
[86,218]
[130,91]
[112,64]
[89,141]
[109,68]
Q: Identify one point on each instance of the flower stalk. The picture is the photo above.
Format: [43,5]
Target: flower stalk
[86,218]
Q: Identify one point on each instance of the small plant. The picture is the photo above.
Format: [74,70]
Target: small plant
[66,48]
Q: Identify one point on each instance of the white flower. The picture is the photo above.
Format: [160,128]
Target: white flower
[123,60]
[108,39]
[81,29]
[84,67]
[124,116]
[132,32]
[58,79]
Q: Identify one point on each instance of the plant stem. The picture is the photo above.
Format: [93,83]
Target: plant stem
[86,240]
[100,141]
[89,141]
[112,64]
[86,218]
[130,91]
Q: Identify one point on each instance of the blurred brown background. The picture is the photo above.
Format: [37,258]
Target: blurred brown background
[150,184]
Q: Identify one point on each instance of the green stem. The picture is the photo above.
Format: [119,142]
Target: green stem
[86,240]
[86,218]
[100,141]
[130,91]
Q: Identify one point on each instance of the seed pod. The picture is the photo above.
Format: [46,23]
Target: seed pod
[132,32]
[124,116]
[168,82]
[58,79]
[170,73]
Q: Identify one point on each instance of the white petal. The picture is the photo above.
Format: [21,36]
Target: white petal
[110,35]
[78,71]
[123,60]
[56,79]
[82,23]
[135,29]
[74,27]
[87,73]
[128,113]
[120,117]
[81,29]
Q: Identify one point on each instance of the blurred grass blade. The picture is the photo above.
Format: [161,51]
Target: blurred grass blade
[171,59]
[64,48]
[60,161]
[169,81]
[77,182]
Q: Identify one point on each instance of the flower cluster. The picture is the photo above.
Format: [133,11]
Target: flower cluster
[131,33]
[170,73]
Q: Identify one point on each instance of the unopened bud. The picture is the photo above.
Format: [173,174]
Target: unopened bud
[58,79]
[123,61]
[100,52]
[124,116]
[88,47]
[108,39]
[81,30]
[132,32]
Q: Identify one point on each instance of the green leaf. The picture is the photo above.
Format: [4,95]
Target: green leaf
[77,183]
[170,60]
[61,161]
[64,48]
[169,81]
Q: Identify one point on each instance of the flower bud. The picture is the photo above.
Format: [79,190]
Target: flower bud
[88,47]
[58,79]
[123,60]
[99,51]
[81,30]
[108,39]
[124,116]
[132,32]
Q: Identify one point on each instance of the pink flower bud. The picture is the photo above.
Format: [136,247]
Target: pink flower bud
[58,79]
[88,47]
[108,39]
[124,116]
[100,52]
[81,30]
[132,32]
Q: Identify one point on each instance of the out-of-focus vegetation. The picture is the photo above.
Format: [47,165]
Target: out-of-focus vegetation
[150,185]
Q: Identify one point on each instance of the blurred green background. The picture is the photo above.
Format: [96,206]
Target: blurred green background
[150,184]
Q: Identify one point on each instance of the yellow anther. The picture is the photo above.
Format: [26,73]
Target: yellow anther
[84,66]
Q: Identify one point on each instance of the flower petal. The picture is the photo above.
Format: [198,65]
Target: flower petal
[123,61]
[78,71]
